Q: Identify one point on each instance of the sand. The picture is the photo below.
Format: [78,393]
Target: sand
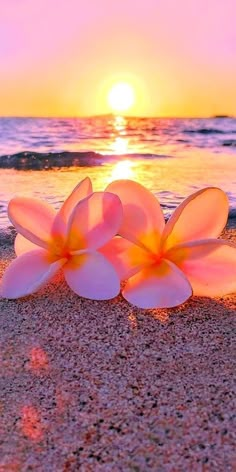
[102,386]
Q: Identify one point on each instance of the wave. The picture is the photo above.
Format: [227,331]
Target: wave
[29,160]
[229,142]
[232,213]
[231,223]
[38,161]
[206,131]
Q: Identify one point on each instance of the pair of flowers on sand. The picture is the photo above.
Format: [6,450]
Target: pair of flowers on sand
[101,238]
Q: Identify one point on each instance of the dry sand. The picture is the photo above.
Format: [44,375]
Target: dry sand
[102,386]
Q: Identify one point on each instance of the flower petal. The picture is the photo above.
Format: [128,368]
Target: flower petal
[91,275]
[143,220]
[82,190]
[94,221]
[22,245]
[202,215]
[209,265]
[28,273]
[126,257]
[159,286]
[32,218]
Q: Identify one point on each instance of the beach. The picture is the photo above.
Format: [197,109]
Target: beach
[106,106]
[101,386]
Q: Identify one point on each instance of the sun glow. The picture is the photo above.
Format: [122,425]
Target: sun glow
[121,97]
[123,170]
[120,145]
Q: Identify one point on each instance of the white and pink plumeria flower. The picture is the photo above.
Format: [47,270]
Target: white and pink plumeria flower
[48,240]
[165,264]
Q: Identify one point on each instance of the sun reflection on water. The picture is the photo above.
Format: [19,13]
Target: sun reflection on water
[120,145]
[123,170]
[120,123]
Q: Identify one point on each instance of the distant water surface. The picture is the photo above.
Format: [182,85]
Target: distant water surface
[172,157]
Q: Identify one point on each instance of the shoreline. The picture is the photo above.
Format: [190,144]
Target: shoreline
[51,160]
[105,386]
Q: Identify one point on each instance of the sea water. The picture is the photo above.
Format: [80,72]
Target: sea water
[46,157]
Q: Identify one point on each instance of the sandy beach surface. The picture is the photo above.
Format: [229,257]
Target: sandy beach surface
[102,386]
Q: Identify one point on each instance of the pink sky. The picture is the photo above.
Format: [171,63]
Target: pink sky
[60,57]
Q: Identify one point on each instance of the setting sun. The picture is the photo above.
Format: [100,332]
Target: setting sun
[121,97]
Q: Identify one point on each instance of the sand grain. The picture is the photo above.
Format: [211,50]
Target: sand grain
[103,386]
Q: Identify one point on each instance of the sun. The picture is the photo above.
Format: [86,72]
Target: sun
[121,97]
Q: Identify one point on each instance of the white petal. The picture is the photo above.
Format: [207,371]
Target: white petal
[202,215]
[143,220]
[94,221]
[32,218]
[90,275]
[209,265]
[126,257]
[28,273]
[22,245]
[81,191]
[159,286]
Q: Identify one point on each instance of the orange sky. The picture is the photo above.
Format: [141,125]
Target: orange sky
[60,58]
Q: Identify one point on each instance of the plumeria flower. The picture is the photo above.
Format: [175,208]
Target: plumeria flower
[165,264]
[69,239]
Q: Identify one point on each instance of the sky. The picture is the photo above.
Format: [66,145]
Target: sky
[61,57]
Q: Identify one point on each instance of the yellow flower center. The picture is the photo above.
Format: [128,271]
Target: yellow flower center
[62,248]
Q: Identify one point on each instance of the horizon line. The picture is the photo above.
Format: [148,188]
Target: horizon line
[113,115]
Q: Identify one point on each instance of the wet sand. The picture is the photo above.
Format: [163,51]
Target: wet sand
[102,386]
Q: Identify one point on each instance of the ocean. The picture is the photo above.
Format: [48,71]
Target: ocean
[46,157]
